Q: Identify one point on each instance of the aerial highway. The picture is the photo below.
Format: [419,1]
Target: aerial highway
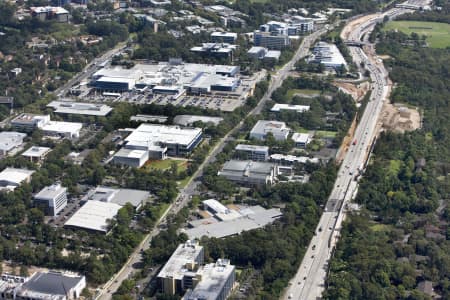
[309,281]
[130,267]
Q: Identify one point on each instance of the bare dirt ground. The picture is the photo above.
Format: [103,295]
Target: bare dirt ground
[400,118]
[346,143]
[357,91]
[15,269]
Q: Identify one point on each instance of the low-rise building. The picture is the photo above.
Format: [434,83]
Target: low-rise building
[288,160]
[50,13]
[258,52]
[170,140]
[224,37]
[29,122]
[42,285]
[219,50]
[189,120]
[10,142]
[131,157]
[252,152]
[94,216]
[36,153]
[80,108]
[328,55]
[281,106]
[118,196]
[301,140]
[249,172]
[51,199]
[10,178]
[279,130]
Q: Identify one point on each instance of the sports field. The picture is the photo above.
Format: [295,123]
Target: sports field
[438,34]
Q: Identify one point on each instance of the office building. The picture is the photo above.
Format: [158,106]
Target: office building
[36,154]
[288,160]
[117,196]
[132,157]
[174,77]
[270,41]
[301,140]
[217,280]
[52,199]
[164,140]
[189,120]
[302,24]
[220,221]
[281,106]
[10,178]
[49,285]
[252,152]
[10,142]
[328,55]
[29,122]
[80,108]
[219,50]
[50,13]
[180,272]
[224,37]
[257,52]
[278,129]
[249,172]
[94,216]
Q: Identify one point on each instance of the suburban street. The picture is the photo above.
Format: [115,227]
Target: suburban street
[309,282]
[184,195]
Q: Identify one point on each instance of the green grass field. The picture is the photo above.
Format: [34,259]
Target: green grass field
[438,34]
[325,134]
[165,164]
[306,92]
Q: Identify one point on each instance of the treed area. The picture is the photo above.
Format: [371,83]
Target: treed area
[399,243]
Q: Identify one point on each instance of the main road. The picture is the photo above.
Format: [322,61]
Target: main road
[309,281]
[183,198]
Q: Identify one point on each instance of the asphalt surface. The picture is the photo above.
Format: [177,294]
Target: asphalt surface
[308,283]
[131,266]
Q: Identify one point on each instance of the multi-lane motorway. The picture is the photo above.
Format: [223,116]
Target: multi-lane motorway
[308,283]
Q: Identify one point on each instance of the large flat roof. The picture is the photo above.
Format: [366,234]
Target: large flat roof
[59,126]
[265,126]
[147,134]
[14,175]
[131,153]
[245,147]
[118,196]
[299,108]
[213,279]
[94,215]
[50,192]
[36,151]
[80,108]
[176,265]
[10,140]
[251,218]
[186,120]
[51,283]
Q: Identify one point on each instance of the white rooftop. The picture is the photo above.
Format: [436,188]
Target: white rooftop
[131,153]
[147,134]
[186,120]
[328,54]
[80,108]
[11,177]
[36,151]
[94,215]
[302,138]
[11,139]
[185,253]
[299,108]
[50,192]
[292,158]
[58,126]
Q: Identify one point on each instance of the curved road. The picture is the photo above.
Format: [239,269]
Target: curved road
[308,283]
